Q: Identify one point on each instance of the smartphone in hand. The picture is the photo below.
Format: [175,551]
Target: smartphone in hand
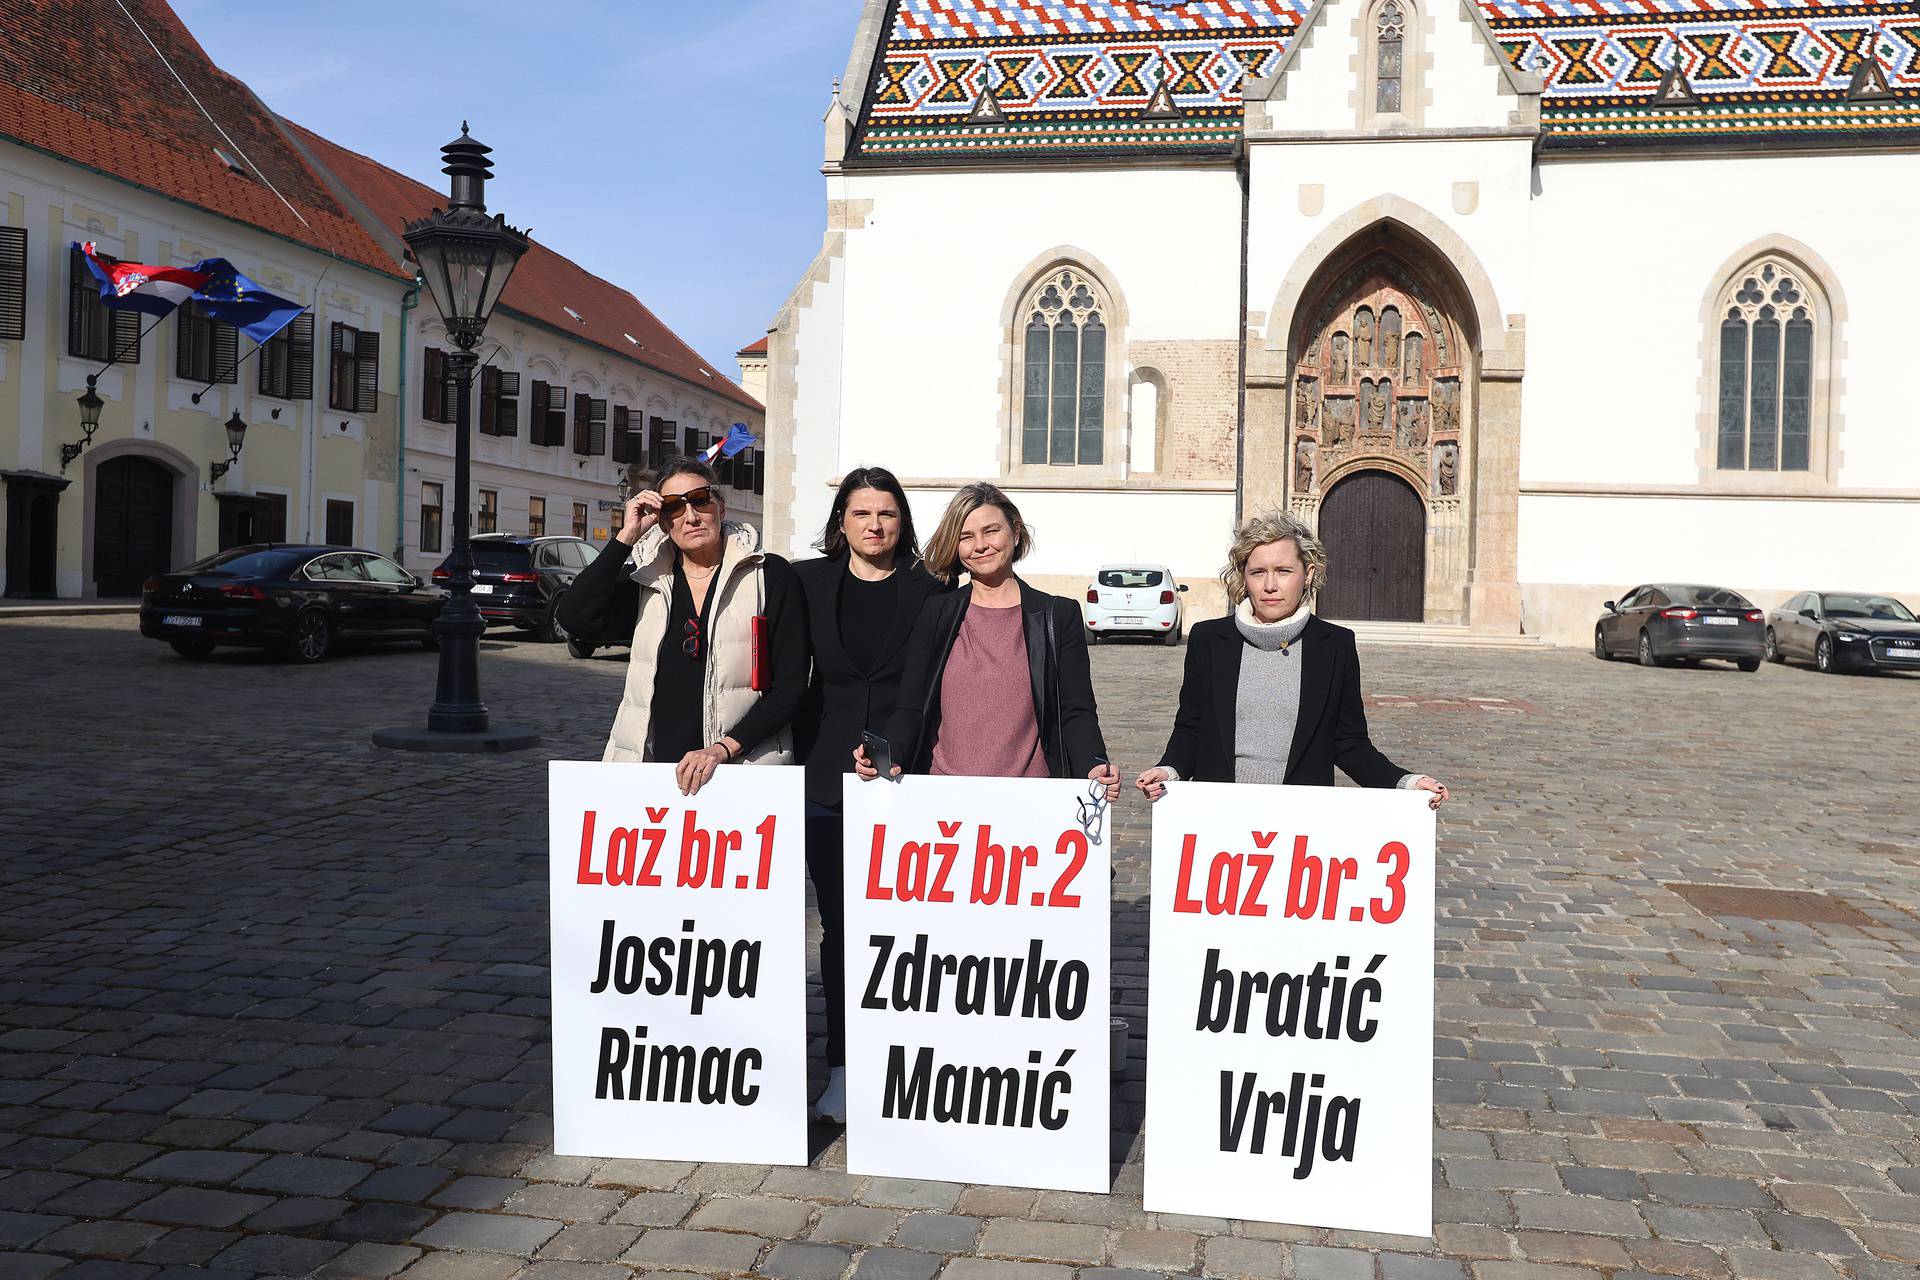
[879,753]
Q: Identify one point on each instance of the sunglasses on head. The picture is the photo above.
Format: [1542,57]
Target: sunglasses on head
[699,499]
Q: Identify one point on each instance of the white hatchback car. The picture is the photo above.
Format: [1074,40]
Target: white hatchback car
[1134,599]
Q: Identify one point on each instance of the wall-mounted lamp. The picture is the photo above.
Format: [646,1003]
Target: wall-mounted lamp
[236,436]
[90,406]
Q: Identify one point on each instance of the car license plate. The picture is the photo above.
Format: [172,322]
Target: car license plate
[1904,648]
[1721,622]
[483,588]
[1129,622]
[180,620]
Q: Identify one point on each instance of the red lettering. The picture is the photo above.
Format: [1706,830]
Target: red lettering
[877,892]
[1183,899]
[587,875]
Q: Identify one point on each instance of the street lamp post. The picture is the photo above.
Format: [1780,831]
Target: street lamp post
[465,259]
[236,437]
[90,406]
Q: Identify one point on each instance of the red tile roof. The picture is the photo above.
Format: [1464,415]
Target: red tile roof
[78,80]
[544,285]
[756,349]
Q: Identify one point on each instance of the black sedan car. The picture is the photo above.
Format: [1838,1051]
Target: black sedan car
[1664,623]
[518,577]
[1845,631]
[296,601]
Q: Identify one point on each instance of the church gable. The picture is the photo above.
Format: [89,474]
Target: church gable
[1027,80]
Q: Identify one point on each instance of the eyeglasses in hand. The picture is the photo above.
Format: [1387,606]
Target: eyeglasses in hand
[1093,811]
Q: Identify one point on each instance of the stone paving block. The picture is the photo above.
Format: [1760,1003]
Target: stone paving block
[1572,1250]
[39,1266]
[1230,1257]
[18,1230]
[1531,1271]
[576,1271]
[187,1247]
[694,1250]
[1797,1234]
[810,1184]
[1896,1244]
[793,1260]
[906,1193]
[647,1175]
[1313,1262]
[1706,1226]
[477,1193]
[996,1202]
[1773,1264]
[856,1224]
[367,1261]
[197,1166]
[656,1209]
[1044,1241]
[101,1269]
[100,1239]
[1117,1273]
[463,1266]
[379,1221]
[1723,1193]
[568,1204]
[198,1207]
[302,1175]
[278,1255]
[1673,1257]
[590,1243]
[1591,1214]
[1161,1249]
[1501,1175]
[899,1264]
[488,1233]
[1615,1184]
[726,1179]
[994,1269]
[411,1183]
[754,1215]
[298,1214]
[937,1232]
[1404,1266]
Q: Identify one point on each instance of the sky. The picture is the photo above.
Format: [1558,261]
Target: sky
[672,148]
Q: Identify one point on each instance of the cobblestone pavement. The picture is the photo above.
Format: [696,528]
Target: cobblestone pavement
[273,1003]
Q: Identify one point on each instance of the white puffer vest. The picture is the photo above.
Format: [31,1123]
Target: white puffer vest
[739,590]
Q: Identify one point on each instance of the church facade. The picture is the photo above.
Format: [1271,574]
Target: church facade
[1520,302]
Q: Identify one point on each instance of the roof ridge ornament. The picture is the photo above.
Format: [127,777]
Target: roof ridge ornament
[1869,82]
[987,108]
[1161,106]
[1675,90]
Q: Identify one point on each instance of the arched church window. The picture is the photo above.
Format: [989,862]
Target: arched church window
[1064,389]
[1390,27]
[1766,373]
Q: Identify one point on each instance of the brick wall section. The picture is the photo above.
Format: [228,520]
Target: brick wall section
[1198,443]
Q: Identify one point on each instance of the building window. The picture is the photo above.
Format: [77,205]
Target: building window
[205,350]
[439,392]
[626,441]
[431,498]
[353,384]
[1769,342]
[286,361]
[96,331]
[499,402]
[589,426]
[537,516]
[339,523]
[489,521]
[663,435]
[579,519]
[1064,373]
[1389,37]
[548,426]
[13,282]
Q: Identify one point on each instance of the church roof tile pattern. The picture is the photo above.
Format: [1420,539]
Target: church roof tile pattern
[966,80]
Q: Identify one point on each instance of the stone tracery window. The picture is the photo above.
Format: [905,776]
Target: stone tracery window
[1766,370]
[1389,40]
[1064,384]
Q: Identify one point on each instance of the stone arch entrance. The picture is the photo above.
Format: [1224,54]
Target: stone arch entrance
[1383,389]
[1375,527]
[132,524]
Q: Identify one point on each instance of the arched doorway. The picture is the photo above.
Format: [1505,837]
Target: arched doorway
[132,524]
[1375,528]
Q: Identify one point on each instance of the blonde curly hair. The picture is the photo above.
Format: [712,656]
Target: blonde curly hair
[1260,530]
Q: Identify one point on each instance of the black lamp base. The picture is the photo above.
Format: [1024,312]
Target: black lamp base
[496,739]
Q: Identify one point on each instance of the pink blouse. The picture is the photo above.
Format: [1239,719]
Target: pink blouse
[987,727]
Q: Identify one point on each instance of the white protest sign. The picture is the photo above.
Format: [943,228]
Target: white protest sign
[978,981]
[1290,1006]
[679,963]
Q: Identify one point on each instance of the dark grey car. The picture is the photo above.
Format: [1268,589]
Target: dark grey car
[1664,623]
[1845,631]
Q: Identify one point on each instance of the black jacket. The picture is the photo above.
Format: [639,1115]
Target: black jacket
[842,700]
[1061,680]
[1332,728]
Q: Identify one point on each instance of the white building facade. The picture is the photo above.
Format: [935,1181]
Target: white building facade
[1519,308]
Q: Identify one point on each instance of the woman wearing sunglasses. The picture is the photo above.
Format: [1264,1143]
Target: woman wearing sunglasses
[702,601]
[997,682]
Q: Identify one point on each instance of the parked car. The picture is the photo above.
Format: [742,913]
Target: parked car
[1134,599]
[297,601]
[1845,631]
[1663,623]
[518,577]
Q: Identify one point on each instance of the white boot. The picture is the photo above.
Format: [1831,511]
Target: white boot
[832,1102]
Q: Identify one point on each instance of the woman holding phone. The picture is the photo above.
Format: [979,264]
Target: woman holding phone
[861,597]
[997,682]
[719,631]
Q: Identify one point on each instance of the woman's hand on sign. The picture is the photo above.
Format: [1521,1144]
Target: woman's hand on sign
[696,768]
[864,767]
[1108,776]
[1439,789]
[1153,783]
[642,513]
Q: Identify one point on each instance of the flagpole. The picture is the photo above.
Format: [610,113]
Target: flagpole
[138,338]
[220,378]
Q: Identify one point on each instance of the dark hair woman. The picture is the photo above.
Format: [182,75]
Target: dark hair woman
[997,682]
[861,601]
[1272,693]
[693,590]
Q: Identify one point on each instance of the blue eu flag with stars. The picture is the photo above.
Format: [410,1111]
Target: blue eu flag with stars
[232,297]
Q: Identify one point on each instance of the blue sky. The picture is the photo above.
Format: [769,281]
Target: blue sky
[673,148]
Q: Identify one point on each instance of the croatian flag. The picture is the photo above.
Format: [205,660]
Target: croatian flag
[737,439]
[136,286]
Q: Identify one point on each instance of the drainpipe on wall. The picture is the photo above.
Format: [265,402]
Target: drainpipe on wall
[407,303]
[1244,171]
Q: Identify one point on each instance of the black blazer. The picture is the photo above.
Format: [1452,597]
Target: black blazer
[842,700]
[1332,728]
[1060,676]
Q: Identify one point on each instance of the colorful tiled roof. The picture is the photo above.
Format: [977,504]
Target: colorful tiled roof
[1080,77]
[77,80]
[546,287]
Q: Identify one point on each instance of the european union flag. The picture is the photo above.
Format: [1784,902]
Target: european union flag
[227,295]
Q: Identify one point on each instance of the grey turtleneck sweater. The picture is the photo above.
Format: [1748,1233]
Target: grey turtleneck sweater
[1267,704]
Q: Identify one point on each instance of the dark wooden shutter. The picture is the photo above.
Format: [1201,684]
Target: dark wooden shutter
[338,393]
[433,388]
[506,417]
[537,421]
[226,353]
[125,345]
[300,357]
[489,393]
[367,394]
[78,277]
[582,430]
[597,426]
[13,282]
[759,471]
[184,325]
[690,442]
[620,446]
